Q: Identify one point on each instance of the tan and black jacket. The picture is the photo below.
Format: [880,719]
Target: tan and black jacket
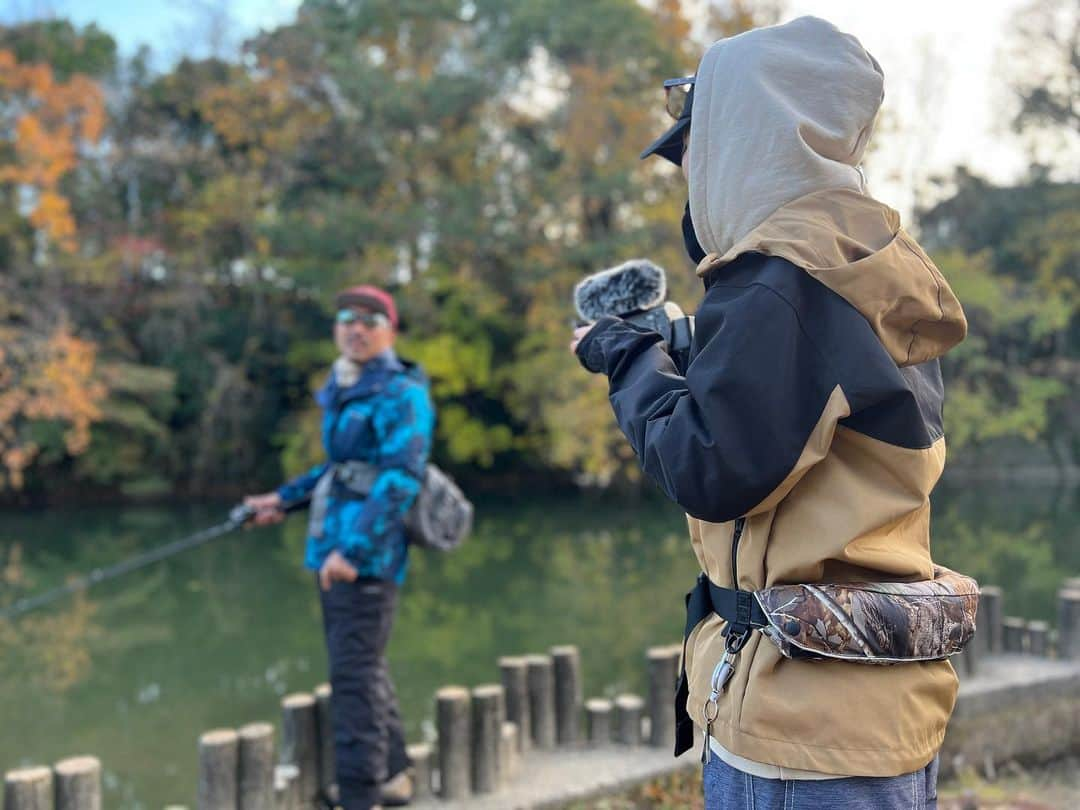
[811,407]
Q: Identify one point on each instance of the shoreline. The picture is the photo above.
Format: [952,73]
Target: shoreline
[1037,475]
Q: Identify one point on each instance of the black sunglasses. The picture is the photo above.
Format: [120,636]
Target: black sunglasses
[676,91]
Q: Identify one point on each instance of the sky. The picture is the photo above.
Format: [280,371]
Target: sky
[946,87]
[170,27]
[946,96]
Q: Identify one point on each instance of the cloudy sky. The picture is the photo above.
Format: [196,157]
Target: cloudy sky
[946,90]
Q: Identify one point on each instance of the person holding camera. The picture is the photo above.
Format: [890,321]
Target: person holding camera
[805,435]
[377,430]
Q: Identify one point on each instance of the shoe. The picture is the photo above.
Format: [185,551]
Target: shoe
[327,800]
[398,790]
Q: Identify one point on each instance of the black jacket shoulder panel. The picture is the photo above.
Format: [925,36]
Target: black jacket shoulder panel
[900,406]
[721,438]
[771,346]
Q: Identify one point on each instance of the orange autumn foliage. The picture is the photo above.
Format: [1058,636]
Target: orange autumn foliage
[263,115]
[48,121]
[50,381]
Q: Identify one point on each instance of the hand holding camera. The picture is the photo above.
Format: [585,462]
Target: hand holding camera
[635,291]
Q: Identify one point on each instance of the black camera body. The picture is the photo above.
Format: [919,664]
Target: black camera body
[636,291]
[674,325]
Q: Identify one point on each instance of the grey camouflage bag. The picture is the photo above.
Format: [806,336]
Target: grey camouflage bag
[441,516]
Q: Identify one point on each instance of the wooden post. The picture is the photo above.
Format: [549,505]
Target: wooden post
[219,753]
[488,715]
[420,755]
[325,728]
[287,787]
[28,789]
[966,664]
[516,690]
[1038,637]
[256,767]
[452,720]
[628,711]
[508,753]
[1012,633]
[300,743]
[78,783]
[541,679]
[663,665]
[1069,623]
[989,617]
[598,719]
[566,662]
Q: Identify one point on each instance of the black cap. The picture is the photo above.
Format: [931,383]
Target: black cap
[670,145]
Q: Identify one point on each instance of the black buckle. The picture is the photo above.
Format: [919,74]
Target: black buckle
[740,627]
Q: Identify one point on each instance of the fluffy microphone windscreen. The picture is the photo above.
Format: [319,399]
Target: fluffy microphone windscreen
[633,286]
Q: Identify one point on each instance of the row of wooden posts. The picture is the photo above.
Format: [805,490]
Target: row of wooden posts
[482,732]
[998,633]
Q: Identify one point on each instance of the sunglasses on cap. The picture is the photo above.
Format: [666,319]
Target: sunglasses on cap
[676,92]
[369,319]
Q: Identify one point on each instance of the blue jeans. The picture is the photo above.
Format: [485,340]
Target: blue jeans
[728,788]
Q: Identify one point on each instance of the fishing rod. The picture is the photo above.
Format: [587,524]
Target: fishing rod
[238,516]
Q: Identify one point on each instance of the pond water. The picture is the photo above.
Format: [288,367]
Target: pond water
[136,669]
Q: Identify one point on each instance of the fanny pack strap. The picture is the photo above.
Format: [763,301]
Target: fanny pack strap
[357,477]
[741,611]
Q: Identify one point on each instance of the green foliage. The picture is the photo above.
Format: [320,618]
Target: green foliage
[1012,255]
[301,442]
[478,158]
[67,49]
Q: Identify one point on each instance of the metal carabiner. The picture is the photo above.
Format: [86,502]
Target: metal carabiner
[734,642]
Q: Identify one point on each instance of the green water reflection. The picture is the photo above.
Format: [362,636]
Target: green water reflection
[135,671]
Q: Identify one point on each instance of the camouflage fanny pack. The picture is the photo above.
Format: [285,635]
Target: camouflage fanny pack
[872,622]
[858,622]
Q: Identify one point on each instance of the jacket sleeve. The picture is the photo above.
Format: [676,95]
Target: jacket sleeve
[728,435]
[301,486]
[403,428]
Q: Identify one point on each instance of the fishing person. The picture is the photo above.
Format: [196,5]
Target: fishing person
[803,439]
[377,431]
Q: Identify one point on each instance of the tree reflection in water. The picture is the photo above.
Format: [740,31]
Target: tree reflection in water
[133,671]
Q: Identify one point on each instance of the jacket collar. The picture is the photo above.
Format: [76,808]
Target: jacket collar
[376,373]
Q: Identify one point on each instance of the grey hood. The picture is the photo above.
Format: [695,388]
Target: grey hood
[779,112]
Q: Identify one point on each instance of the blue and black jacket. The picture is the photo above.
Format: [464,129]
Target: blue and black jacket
[385,419]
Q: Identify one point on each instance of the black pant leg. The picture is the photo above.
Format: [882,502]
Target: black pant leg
[357,618]
[397,759]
